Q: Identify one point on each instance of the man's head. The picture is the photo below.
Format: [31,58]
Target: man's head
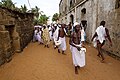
[77,26]
[102,23]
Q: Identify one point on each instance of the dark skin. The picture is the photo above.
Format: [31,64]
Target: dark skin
[100,45]
[61,34]
[61,31]
[75,40]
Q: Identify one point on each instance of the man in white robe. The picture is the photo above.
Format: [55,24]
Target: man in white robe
[55,34]
[78,53]
[61,37]
[39,36]
[35,34]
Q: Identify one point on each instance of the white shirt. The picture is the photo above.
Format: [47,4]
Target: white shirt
[101,33]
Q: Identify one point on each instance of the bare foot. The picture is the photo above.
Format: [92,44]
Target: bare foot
[63,53]
[98,55]
[76,71]
[58,51]
[78,67]
[102,61]
[47,46]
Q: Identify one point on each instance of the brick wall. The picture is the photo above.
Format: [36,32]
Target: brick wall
[16,31]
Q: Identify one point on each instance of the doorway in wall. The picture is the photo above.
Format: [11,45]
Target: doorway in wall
[10,29]
[72,19]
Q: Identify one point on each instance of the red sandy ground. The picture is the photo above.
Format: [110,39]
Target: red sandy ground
[39,63]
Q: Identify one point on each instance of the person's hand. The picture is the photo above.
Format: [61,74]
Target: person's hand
[83,46]
[78,48]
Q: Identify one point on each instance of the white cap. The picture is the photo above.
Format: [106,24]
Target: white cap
[76,23]
[35,26]
[44,24]
[40,26]
[55,25]
[54,22]
[59,25]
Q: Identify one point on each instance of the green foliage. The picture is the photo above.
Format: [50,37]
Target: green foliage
[8,4]
[23,8]
[55,17]
[36,12]
[39,18]
[43,19]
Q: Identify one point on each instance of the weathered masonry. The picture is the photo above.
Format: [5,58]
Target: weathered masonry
[93,12]
[16,31]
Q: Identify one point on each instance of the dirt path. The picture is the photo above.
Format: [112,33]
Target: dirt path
[39,63]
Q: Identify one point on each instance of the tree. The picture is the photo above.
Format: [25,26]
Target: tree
[36,11]
[43,19]
[24,8]
[8,4]
[55,17]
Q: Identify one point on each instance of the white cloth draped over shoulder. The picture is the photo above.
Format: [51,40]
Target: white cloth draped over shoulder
[101,33]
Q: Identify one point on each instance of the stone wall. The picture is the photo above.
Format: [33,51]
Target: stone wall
[96,11]
[16,31]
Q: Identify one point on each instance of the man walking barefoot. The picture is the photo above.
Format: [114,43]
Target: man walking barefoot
[101,33]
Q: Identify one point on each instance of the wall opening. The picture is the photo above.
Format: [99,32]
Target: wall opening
[10,29]
[117,4]
[72,19]
[83,18]
[83,11]
[84,24]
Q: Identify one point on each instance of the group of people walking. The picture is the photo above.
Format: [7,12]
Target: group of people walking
[57,34]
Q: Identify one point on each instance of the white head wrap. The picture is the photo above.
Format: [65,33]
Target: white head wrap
[55,25]
[76,23]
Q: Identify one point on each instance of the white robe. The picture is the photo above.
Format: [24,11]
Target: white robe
[101,33]
[82,35]
[55,34]
[39,37]
[63,43]
[78,56]
[35,36]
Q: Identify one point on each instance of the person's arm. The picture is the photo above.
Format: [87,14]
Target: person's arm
[108,36]
[65,33]
[41,33]
[94,36]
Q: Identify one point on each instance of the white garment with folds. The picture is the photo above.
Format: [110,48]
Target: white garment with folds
[39,36]
[63,44]
[55,34]
[78,56]
[101,33]
[35,36]
[82,35]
